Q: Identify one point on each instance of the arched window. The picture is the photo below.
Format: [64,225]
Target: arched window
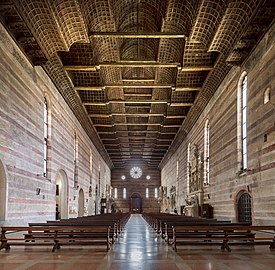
[124,193]
[46,127]
[91,165]
[244,128]
[115,193]
[147,193]
[156,193]
[188,167]
[206,153]
[242,123]
[266,95]
[75,160]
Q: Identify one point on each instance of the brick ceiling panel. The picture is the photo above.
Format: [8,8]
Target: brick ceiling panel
[208,19]
[40,19]
[236,17]
[70,21]
[137,73]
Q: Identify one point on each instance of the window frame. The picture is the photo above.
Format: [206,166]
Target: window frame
[147,194]
[206,179]
[46,136]
[124,193]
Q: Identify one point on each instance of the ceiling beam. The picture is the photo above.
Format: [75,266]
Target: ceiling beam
[137,131]
[126,101]
[129,63]
[128,86]
[123,144]
[135,124]
[145,147]
[195,68]
[138,80]
[188,89]
[99,115]
[138,86]
[175,116]
[137,95]
[177,104]
[136,138]
[126,114]
[137,35]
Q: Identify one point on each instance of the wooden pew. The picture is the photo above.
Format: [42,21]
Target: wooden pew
[56,236]
[222,235]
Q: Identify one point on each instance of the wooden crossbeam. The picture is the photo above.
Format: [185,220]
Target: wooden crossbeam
[135,124]
[136,138]
[195,68]
[188,89]
[137,95]
[131,114]
[138,86]
[137,131]
[175,116]
[121,64]
[138,80]
[177,104]
[166,35]
[120,85]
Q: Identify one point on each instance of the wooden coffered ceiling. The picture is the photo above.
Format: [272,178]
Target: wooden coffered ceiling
[137,73]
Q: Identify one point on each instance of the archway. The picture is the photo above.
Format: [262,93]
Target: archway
[3,192]
[81,203]
[244,207]
[61,195]
[135,203]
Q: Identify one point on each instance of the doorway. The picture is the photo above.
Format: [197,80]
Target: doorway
[81,203]
[3,192]
[244,208]
[135,203]
[61,183]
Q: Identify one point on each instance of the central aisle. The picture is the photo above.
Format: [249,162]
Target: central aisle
[139,247]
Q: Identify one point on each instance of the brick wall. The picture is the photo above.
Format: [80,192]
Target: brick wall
[226,181]
[22,90]
[136,186]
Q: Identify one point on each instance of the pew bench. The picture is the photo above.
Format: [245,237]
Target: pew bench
[113,232]
[56,236]
[221,235]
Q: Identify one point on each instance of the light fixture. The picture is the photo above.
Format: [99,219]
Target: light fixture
[148,177]
[123,177]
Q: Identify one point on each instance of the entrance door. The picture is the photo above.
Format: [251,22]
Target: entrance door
[244,208]
[136,203]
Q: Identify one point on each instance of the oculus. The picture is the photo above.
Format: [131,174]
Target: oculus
[136,172]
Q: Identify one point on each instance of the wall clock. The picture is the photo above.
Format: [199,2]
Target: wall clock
[136,172]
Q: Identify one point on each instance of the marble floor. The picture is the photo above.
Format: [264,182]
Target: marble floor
[139,248]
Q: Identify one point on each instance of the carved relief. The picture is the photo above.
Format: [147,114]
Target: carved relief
[173,194]
[195,196]
[196,171]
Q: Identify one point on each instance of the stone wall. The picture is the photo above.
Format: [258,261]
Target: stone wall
[26,195]
[226,179]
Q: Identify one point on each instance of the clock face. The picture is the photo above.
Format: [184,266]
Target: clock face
[136,172]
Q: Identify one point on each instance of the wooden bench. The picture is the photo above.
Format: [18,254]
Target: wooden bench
[56,236]
[113,233]
[167,232]
[221,235]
